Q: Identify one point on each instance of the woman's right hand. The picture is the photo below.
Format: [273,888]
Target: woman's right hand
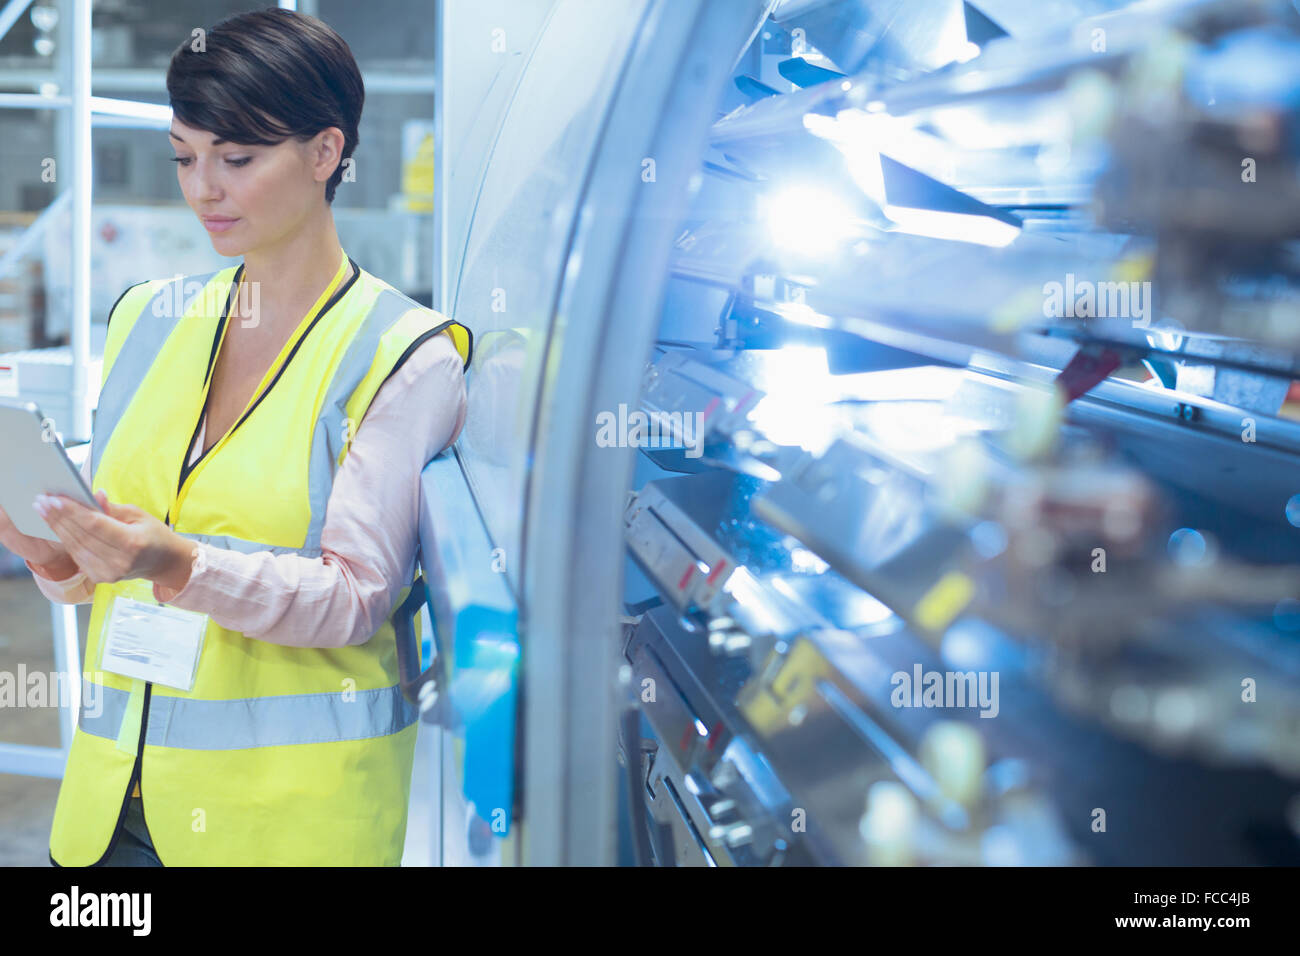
[36,550]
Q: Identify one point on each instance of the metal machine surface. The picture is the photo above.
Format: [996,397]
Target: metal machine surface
[548,111]
[884,416]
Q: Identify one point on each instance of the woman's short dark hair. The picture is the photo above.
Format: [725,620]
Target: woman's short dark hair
[259,78]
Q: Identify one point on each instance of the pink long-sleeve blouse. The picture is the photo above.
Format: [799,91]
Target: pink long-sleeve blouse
[370,536]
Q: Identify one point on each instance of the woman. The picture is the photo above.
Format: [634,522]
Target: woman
[258,481]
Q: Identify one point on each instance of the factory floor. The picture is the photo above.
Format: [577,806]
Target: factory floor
[27,803]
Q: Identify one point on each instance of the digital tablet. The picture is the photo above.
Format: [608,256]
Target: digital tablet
[34,462]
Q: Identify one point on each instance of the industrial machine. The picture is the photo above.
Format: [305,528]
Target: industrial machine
[882,446]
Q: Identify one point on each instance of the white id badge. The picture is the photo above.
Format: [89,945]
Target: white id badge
[154,642]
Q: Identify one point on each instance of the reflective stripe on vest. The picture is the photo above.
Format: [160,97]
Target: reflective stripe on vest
[246,547]
[151,330]
[330,441]
[253,722]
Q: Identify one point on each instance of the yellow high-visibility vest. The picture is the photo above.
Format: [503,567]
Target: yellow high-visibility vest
[277,755]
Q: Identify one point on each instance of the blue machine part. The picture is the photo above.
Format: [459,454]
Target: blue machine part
[476,633]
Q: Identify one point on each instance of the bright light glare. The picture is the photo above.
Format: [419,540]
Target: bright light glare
[797,391]
[155,112]
[917,427]
[808,220]
[983,230]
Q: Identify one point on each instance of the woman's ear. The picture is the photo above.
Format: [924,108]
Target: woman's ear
[327,153]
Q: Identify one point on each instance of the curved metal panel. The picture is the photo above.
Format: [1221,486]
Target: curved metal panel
[518,245]
[660,113]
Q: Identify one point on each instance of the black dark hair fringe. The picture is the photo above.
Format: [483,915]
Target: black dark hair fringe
[263,77]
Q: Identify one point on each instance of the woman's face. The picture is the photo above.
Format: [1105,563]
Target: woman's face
[252,197]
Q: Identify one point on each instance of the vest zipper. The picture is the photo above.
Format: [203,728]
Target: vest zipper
[137,770]
[187,467]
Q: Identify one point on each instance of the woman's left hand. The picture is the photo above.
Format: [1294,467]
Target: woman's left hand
[118,544]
